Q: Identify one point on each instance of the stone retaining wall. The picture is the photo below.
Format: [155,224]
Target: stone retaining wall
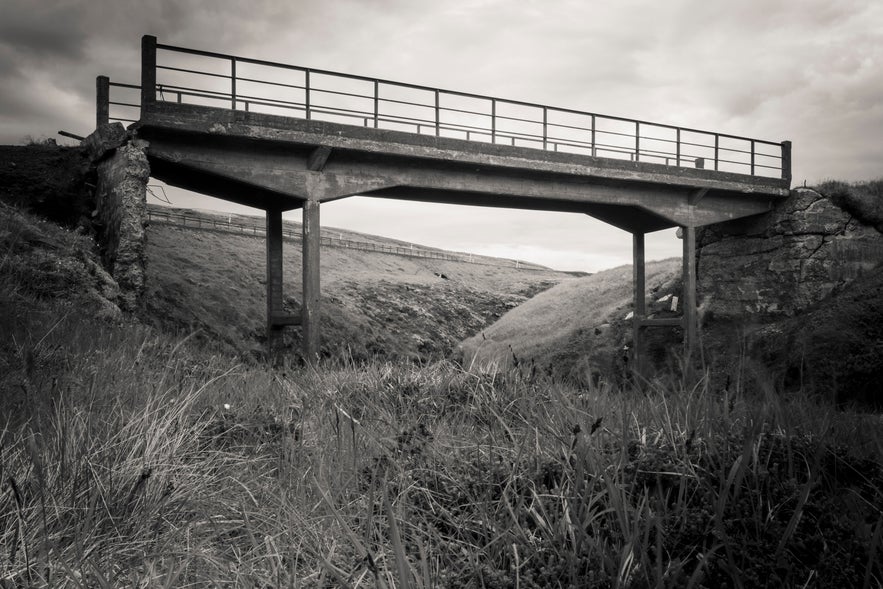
[782,263]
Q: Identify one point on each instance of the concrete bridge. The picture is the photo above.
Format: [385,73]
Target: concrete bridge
[280,137]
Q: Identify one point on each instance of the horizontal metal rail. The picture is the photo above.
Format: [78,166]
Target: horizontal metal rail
[228,226]
[117,102]
[180,74]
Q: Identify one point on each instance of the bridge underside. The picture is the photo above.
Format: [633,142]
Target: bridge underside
[277,164]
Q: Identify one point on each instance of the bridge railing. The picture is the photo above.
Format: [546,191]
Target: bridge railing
[183,75]
[116,101]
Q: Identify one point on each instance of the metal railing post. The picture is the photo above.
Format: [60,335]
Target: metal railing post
[148,72]
[786,161]
[376,102]
[437,115]
[493,120]
[594,151]
[102,100]
[545,127]
[752,157]
[678,148]
[233,83]
[307,92]
[716,150]
[637,141]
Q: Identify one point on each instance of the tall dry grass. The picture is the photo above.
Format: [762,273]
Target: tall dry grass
[131,458]
[138,460]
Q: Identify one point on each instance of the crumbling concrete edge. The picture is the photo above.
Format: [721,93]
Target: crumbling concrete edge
[120,216]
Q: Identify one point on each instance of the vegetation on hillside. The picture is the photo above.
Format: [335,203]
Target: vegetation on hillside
[374,305]
[140,461]
[135,456]
[129,456]
[580,330]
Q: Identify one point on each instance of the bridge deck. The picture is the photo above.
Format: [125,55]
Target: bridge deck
[274,135]
[269,161]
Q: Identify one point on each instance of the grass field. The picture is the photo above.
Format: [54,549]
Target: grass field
[576,330]
[373,304]
[131,456]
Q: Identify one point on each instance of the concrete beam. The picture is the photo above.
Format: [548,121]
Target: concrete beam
[226,187]
[696,195]
[631,219]
[251,127]
[283,174]
[317,160]
[285,170]
[663,322]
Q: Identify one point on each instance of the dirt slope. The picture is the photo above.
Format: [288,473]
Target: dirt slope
[576,329]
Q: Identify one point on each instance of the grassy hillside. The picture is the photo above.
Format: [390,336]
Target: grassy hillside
[576,329]
[132,457]
[374,304]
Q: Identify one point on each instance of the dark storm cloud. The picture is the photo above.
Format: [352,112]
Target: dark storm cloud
[36,31]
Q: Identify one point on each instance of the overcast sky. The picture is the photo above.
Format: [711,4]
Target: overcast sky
[810,71]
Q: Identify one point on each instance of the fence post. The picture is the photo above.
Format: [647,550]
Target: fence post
[545,126]
[594,152]
[716,150]
[148,72]
[102,100]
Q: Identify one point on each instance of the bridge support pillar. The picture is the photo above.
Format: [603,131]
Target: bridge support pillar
[310,309]
[691,331]
[640,300]
[274,285]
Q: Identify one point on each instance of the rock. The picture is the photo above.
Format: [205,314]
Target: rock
[782,263]
[105,139]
